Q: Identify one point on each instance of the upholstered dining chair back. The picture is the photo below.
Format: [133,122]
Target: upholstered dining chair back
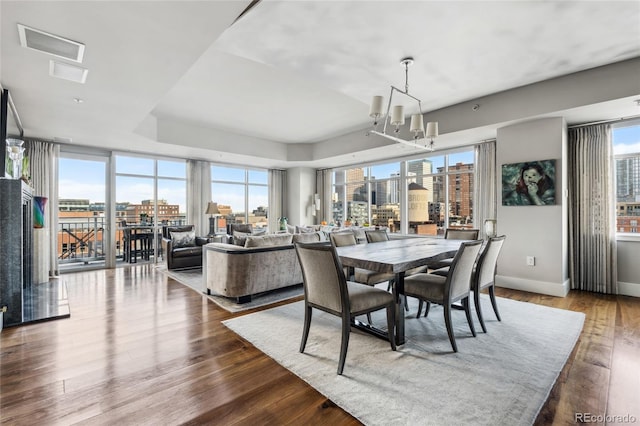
[486,268]
[341,239]
[485,275]
[323,277]
[376,236]
[461,271]
[461,234]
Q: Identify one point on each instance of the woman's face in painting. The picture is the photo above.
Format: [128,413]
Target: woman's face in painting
[530,176]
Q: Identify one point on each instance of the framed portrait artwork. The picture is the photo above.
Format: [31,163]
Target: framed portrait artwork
[529,184]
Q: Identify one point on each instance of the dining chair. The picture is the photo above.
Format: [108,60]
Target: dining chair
[485,274]
[452,234]
[445,291]
[327,289]
[363,276]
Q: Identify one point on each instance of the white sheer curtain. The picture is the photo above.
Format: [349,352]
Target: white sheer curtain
[592,238]
[323,189]
[485,190]
[277,197]
[198,194]
[43,169]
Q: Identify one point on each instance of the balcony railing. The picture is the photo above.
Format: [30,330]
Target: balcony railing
[81,240]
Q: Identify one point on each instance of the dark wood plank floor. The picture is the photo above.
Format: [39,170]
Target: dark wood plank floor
[140,348]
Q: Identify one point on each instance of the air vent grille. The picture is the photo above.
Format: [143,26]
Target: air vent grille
[51,44]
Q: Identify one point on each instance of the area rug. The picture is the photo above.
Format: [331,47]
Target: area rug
[192,278]
[502,377]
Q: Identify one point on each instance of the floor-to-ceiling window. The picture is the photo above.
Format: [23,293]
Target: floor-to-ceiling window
[242,194]
[149,193]
[81,213]
[626,146]
[419,196]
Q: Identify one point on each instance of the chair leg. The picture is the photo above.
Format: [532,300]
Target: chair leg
[447,321]
[467,311]
[420,303]
[492,294]
[391,322]
[369,317]
[305,330]
[476,302]
[346,329]
[426,309]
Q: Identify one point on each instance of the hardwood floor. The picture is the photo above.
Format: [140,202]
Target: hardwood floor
[140,348]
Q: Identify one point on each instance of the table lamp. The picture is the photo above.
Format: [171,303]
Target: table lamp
[212,209]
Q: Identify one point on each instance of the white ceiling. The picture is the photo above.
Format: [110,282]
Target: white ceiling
[290,72]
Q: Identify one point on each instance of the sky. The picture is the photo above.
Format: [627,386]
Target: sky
[85,179]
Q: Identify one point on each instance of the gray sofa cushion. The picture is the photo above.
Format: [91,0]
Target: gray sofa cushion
[269,240]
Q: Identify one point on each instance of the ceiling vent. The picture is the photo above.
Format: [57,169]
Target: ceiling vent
[51,44]
[67,71]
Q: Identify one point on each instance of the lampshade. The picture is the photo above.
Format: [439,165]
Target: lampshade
[397,116]
[432,129]
[417,124]
[376,107]
[212,208]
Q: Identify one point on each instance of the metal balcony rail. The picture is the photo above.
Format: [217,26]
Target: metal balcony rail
[81,240]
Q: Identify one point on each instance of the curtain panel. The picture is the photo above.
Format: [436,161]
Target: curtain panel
[592,240]
[198,194]
[43,170]
[486,185]
[323,189]
[277,197]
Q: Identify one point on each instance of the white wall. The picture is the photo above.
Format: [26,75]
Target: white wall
[539,231]
[628,265]
[301,184]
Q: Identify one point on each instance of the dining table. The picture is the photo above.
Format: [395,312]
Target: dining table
[396,256]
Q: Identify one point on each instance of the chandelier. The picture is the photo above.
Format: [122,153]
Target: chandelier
[395,117]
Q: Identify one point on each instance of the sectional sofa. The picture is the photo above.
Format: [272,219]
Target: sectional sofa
[263,263]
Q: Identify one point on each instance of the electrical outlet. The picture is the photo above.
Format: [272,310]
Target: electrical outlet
[531,261]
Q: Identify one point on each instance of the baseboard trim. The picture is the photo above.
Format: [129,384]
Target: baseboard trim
[629,289]
[533,286]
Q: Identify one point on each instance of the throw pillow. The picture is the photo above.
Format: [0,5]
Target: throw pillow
[239,238]
[259,231]
[183,239]
[303,229]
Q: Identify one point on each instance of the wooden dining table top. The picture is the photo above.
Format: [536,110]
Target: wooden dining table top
[397,255]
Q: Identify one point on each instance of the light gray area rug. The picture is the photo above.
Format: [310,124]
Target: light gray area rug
[192,277]
[500,378]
